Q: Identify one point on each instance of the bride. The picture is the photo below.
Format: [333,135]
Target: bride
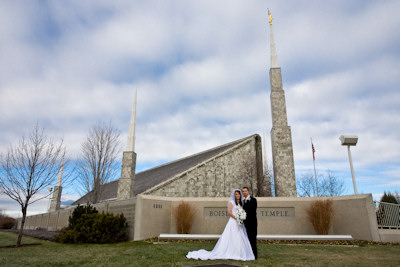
[233,243]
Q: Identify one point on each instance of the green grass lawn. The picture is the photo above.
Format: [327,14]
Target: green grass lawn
[44,253]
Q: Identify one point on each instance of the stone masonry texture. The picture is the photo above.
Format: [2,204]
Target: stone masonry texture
[217,177]
[281,139]
[56,200]
[126,183]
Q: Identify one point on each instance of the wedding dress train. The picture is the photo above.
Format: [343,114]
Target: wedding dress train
[233,243]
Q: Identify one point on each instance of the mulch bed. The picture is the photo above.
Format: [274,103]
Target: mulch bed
[284,242]
[41,234]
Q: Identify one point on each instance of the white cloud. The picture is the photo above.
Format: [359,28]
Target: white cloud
[202,74]
[12,208]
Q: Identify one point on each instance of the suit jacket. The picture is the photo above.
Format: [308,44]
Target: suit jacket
[250,207]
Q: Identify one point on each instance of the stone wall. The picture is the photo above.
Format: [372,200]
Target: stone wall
[126,207]
[237,167]
[354,215]
[51,221]
[148,216]
[54,221]
[389,235]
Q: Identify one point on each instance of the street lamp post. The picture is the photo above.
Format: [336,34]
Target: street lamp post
[350,140]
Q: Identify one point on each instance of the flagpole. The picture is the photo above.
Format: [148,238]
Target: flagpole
[315,172]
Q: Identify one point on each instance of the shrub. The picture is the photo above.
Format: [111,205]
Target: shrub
[320,214]
[78,212]
[65,235]
[7,223]
[389,198]
[86,225]
[184,215]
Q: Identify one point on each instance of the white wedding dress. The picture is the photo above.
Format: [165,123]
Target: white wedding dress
[233,243]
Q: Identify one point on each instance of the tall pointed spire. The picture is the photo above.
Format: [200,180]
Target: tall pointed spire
[130,146]
[274,57]
[126,183]
[281,136]
[55,202]
[60,173]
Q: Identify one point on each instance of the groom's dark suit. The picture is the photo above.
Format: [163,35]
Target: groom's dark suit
[250,206]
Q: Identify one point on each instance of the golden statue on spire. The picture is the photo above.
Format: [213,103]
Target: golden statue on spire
[270,17]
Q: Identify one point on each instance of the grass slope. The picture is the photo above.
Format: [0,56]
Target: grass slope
[45,253]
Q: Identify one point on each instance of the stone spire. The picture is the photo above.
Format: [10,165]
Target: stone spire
[281,136]
[126,183]
[60,173]
[130,146]
[56,199]
[274,57]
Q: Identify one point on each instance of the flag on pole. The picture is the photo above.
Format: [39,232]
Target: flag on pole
[315,172]
[313,150]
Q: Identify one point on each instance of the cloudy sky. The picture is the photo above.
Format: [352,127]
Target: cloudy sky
[201,70]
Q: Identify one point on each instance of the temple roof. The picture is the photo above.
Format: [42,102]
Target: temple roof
[147,179]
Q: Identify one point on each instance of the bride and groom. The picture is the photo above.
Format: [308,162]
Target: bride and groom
[237,242]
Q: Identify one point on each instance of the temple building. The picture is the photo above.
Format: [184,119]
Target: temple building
[204,180]
[211,173]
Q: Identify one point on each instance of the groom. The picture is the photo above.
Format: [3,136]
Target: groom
[250,207]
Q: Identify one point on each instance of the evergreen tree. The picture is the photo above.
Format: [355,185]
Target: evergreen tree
[389,198]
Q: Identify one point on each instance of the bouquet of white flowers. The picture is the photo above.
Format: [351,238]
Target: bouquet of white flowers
[240,215]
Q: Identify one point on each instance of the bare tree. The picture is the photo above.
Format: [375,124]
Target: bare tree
[29,168]
[333,186]
[98,163]
[306,185]
[268,181]
[328,185]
